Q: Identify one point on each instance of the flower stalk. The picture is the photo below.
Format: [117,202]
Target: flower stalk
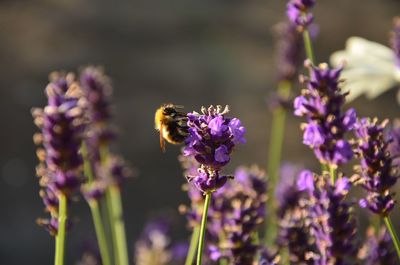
[193,245]
[100,232]
[393,234]
[203,227]
[117,225]
[95,211]
[61,234]
[275,155]
[308,46]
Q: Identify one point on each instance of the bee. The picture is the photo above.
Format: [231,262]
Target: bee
[172,124]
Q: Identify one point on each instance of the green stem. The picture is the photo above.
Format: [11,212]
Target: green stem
[203,228]
[110,217]
[393,234]
[274,158]
[308,46]
[95,210]
[332,172]
[100,232]
[193,246]
[87,167]
[112,199]
[118,225]
[61,234]
[223,261]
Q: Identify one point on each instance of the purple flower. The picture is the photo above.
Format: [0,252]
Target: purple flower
[94,190]
[51,225]
[217,126]
[299,106]
[222,154]
[294,231]
[395,39]
[289,44]
[212,138]
[378,248]
[305,181]
[154,245]
[377,175]
[332,222]
[298,12]
[313,135]
[237,131]
[97,91]
[61,125]
[344,152]
[235,213]
[321,103]
[393,138]
[114,171]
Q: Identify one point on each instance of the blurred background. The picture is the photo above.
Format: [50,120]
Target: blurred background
[187,52]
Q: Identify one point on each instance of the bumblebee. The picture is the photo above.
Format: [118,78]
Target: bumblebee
[172,124]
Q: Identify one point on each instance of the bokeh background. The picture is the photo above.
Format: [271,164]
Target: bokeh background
[182,51]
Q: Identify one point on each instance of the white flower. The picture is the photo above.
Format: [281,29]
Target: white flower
[370,68]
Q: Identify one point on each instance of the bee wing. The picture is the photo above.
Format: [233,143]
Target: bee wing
[162,141]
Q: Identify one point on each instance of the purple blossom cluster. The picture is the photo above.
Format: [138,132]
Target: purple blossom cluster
[155,247]
[97,90]
[77,114]
[332,222]
[289,45]
[235,213]
[316,223]
[378,248]
[376,172]
[298,12]
[61,124]
[294,227]
[393,139]
[99,132]
[321,103]
[212,138]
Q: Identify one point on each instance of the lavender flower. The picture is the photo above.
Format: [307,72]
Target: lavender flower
[97,90]
[378,249]
[90,254]
[153,247]
[289,44]
[321,103]
[236,212]
[377,175]
[332,222]
[393,139]
[294,229]
[94,190]
[61,127]
[212,138]
[395,40]
[298,12]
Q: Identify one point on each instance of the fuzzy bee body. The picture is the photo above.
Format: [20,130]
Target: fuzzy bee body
[172,124]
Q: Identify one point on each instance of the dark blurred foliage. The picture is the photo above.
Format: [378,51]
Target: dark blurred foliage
[186,52]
